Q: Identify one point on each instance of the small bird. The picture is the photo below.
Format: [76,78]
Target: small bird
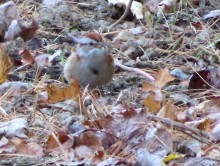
[91,64]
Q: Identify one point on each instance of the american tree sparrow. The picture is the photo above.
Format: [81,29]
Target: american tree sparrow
[91,64]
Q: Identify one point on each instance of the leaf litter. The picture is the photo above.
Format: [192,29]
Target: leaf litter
[144,116]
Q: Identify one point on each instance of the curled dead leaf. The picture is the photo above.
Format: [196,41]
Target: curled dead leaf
[57,94]
[5,64]
[32,148]
[27,57]
[153,101]
[162,77]
[13,26]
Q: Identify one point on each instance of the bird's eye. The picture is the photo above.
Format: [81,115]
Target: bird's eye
[91,44]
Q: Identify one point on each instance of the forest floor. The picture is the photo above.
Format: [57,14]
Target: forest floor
[133,120]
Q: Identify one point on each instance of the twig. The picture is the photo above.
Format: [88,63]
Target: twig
[123,16]
[73,38]
[136,70]
[191,131]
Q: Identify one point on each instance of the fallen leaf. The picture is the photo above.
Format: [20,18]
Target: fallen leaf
[5,64]
[89,146]
[6,146]
[51,144]
[205,79]
[168,111]
[152,5]
[153,101]
[172,156]
[14,26]
[162,77]
[160,6]
[9,12]
[27,57]
[91,140]
[83,152]
[56,94]
[154,98]
[203,124]
[28,31]
[31,149]
[166,6]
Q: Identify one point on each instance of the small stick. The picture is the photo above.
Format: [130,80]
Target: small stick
[191,131]
[123,16]
[74,39]
[136,70]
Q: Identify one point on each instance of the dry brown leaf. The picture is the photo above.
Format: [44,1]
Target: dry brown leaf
[51,144]
[28,31]
[153,101]
[57,94]
[209,108]
[205,125]
[166,6]
[32,149]
[5,64]
[6,146]
[83,152]
[89,146]
[202,124]
[149,87]
[169,110]
[27,57]
[12,25]
[91,140]
[162,77]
